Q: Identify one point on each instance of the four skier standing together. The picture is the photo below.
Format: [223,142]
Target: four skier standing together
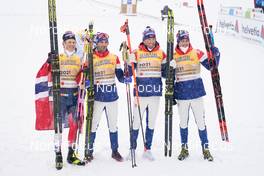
[150,66]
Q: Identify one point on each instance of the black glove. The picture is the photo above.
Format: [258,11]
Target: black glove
[215,51]
[50,57]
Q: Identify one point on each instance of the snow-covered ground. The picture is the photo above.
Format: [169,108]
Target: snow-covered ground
[24,47]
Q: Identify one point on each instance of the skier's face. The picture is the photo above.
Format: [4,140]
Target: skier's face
[150,42]
[69,45]
[184,43]
[102,46]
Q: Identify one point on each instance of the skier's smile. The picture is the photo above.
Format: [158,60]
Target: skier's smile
[69,45]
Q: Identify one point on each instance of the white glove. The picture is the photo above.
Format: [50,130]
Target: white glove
[131,58]
[173,64]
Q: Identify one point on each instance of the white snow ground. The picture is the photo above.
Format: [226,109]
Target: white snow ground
[24,47]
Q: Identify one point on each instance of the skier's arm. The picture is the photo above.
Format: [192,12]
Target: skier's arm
[81,37]
[80,43]
[118,71]
[163,65]
[132,60]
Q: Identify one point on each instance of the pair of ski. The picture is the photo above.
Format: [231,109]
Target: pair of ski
[169,89]
[55,71]
[209,44]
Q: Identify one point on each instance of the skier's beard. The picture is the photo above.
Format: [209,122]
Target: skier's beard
[101,48]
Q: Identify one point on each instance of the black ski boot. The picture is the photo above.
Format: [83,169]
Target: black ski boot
[89,157]
[206,153]
[116,155]
[58,161]
[184,152]
[73,159]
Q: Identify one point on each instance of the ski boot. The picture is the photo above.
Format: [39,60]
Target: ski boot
[148,155]
[89,157]
[206,153]
[58,161]
[116,155]
[73,159]
[184,152]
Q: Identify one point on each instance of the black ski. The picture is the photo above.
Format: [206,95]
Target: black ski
[89,92]
[168,13]
[209,42]
[55,70]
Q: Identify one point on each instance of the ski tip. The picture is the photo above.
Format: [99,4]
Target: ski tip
[164,12]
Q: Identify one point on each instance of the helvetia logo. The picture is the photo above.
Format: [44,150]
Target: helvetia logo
[253,31]
[227,25]
[237,27]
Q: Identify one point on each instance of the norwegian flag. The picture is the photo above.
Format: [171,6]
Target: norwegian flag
[43,99]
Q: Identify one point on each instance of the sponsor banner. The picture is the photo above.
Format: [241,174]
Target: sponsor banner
[252,30]
[258,16]
[245,28]
[228,25]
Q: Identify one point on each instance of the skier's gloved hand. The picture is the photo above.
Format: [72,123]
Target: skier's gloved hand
[127,79]
[51,55]
[216,54]
[173,64]
[131,58]
[215,51]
